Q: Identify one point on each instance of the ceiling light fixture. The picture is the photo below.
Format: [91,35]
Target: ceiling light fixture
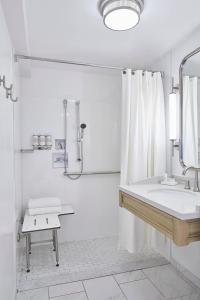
[121,14]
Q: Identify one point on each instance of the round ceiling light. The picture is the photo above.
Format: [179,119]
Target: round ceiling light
[121,14]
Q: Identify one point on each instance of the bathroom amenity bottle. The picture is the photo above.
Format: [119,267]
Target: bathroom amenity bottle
[35,141]
[48,139]
[41,140]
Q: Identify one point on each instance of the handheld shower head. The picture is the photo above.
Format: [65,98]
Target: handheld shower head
[83,126]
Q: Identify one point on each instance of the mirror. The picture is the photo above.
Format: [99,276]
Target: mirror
[189,148]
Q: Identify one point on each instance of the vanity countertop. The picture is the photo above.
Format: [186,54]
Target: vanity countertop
[174,200]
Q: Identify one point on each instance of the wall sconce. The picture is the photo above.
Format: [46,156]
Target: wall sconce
[173,117]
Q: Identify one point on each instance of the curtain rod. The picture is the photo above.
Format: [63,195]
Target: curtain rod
[61,61]
[68,62]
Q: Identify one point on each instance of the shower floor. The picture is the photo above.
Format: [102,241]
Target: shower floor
[80,260]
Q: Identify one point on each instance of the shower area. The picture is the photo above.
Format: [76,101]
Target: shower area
[80,108]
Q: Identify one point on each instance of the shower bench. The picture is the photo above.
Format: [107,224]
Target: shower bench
[43,222]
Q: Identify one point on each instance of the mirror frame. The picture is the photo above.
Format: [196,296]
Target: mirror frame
[183,62]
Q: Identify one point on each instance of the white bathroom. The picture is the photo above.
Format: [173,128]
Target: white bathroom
[100,150]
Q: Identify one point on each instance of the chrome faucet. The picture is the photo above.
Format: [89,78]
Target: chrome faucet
[196,178]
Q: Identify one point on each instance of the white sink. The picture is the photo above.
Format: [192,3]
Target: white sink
[173,194]
[176,201]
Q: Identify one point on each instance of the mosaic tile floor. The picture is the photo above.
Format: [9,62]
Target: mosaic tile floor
[80,260]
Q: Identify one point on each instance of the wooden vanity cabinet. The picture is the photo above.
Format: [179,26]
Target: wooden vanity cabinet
[182,232]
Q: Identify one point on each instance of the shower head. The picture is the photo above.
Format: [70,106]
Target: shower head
[83,126]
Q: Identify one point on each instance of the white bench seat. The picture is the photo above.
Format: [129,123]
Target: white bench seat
[43,222]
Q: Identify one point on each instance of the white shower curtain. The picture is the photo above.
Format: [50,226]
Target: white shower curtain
[143,148]
[190,121]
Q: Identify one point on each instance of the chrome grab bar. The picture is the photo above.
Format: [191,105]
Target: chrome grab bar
[92,173]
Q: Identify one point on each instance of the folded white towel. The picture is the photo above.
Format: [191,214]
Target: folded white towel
[44,202]
[44,210]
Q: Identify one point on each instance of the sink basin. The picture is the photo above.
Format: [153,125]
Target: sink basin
[173,195]
[176,199]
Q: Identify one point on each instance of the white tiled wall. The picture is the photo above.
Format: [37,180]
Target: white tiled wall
[8,186]
[95,198]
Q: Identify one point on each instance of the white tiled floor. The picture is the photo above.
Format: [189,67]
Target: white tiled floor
[42,294]
[65,289]
[129,276]
[77,296]
[103,288]
[159,283]
[141,290]
[168,281]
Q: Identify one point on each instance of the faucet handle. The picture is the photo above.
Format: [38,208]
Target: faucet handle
[187,185]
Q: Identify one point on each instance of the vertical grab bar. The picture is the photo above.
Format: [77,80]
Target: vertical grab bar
[79,158]
[65,135]
[65,103]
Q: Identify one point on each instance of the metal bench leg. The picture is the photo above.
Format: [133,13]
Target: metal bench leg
[27,254]
[29,239]
[54,244]
[56,247]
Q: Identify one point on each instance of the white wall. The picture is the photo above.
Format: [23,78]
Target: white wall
[188,256]
[95,198]
[8,213]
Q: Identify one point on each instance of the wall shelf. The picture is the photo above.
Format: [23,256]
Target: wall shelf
[39,148]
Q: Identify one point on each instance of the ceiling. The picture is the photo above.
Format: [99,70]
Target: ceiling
[74,30]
